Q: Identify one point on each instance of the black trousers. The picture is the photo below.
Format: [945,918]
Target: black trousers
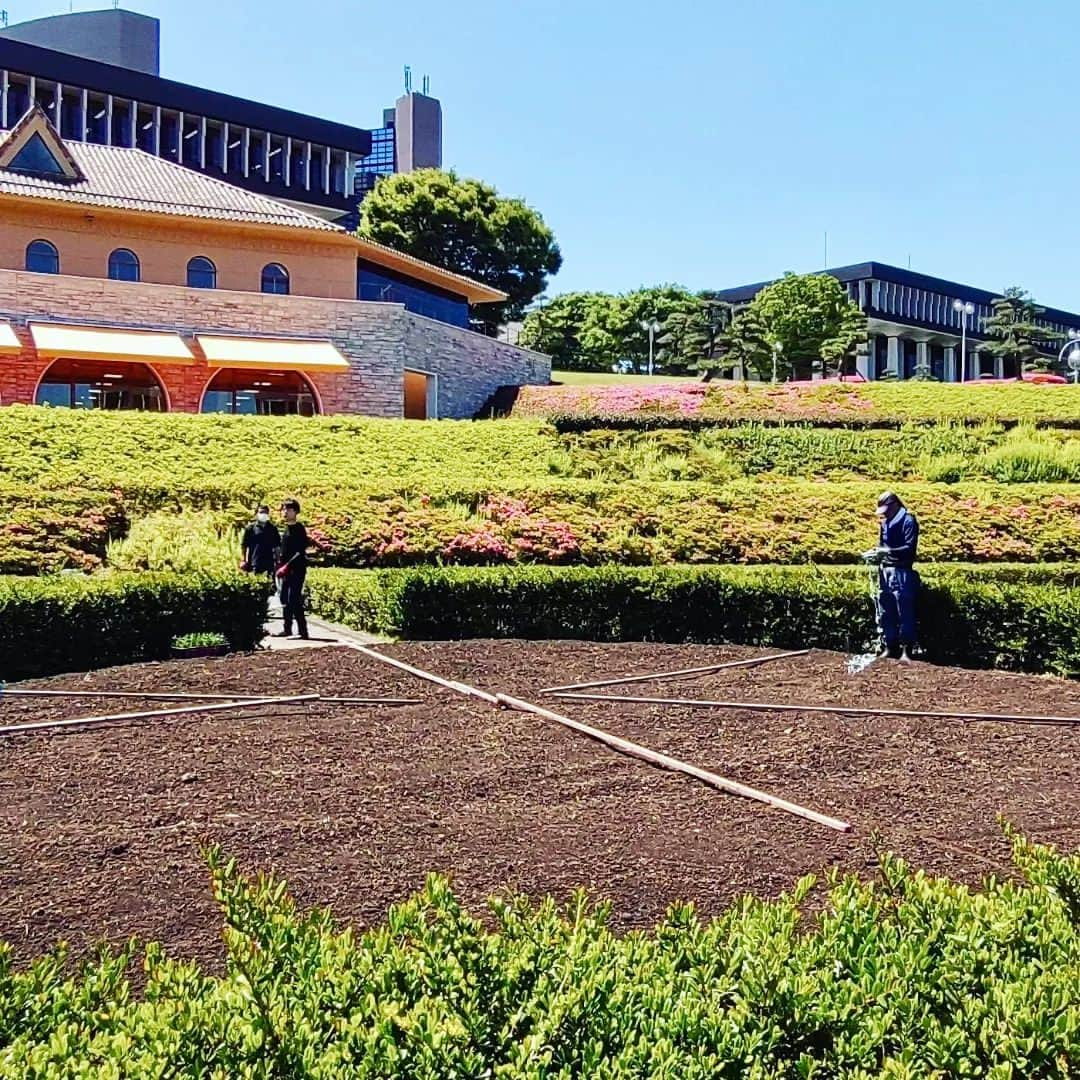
[292,601]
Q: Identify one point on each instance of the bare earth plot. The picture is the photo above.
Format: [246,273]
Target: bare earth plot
[100,829]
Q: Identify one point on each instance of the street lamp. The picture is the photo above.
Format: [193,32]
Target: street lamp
[1072,347]
[964,310]
[777,349]
[652,327]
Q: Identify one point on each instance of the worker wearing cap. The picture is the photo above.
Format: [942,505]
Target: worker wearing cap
[898,581]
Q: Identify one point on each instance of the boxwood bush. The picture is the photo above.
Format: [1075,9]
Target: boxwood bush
[77,623]
[1014,619]
[904,977]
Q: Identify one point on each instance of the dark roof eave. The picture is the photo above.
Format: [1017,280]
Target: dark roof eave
[154,90]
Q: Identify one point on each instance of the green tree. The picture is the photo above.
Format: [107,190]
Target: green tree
[747,346]
[556,327]
[1017,336]
[693,338]
[805,318]
[467,227]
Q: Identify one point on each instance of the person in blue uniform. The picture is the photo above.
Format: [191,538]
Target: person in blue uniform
[898,581]
[292,570]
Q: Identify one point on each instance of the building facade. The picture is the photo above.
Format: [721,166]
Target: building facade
[96,75]
[130,282]
[914,323]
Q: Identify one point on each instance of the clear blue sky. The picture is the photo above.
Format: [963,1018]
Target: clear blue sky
[709,144]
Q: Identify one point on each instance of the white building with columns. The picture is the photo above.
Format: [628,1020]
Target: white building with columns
[917,321]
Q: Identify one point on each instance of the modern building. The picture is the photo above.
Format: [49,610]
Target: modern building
[914,321]
[128,281]
[96,74]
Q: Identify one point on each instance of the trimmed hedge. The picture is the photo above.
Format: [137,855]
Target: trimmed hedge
[902,977]
[76,623]
[1014,619]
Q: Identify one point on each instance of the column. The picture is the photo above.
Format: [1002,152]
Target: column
[952,371]
[999,367]
[327,156]
[108,119]
[84,119]
[225,147]
[307,167]
[922,356]
[894,358]
[865,361]
[246,150]
[202,142]
[134,143]
[58,107]
[157,131]
[4,98]
[286,166]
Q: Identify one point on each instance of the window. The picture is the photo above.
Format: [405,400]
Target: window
[275,279]
[96,384]
[123,265]
[42,257]
[259,393]
[201,273]
[37,159]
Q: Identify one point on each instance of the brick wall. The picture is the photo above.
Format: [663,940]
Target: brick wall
[379,341]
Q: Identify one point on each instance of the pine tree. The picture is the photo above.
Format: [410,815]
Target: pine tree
[1016,334]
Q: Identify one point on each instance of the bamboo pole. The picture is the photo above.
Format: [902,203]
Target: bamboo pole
[179,696]
[449,684]
[94,721]
[753,662]
[842,710]
[665,761]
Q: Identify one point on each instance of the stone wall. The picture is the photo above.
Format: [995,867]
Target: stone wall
[379,341]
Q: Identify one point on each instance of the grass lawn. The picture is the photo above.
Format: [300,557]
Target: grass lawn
[606,378]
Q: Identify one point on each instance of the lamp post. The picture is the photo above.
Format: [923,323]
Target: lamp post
[777,349]
[652,327]
[964,311]
[1072,347]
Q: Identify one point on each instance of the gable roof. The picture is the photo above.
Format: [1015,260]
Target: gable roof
[33,132]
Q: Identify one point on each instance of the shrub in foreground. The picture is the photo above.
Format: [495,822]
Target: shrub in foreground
[77,623]
[906,976]
[1015,619]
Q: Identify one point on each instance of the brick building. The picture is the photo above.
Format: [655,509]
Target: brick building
[128,281]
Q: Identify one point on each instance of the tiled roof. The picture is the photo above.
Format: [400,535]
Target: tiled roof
[135,180]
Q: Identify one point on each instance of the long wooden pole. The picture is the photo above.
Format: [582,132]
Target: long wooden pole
[178,696]
[665,761]
[752,662]
[842,710]
[420,673]
[651,756]
[94,721]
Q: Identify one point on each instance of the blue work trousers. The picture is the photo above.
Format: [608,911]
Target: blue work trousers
[897,591]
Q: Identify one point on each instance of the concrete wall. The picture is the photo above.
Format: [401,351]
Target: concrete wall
[318,264]
[418,133]
[379,340]
[124,38]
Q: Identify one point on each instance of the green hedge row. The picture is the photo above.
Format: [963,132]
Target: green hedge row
[1015,619]
[78,623]
[904,977]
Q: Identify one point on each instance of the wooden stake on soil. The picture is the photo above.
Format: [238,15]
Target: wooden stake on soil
[842,710]
[157,695]
[665,761]
[94,721]
[449,684]
[752,662]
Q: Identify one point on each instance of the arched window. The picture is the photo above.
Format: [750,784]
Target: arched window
[123,265]
[201,273]
[100,384]
[275,279]
[42,257]
[259,393]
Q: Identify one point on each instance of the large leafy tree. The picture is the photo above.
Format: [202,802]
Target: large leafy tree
[467,227]
[694,337]
[804,319]
[1016,334]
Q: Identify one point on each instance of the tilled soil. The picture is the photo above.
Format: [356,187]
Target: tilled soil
[100,828]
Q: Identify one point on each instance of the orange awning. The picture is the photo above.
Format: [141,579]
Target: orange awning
[9,343]
[110,343]
[266,353]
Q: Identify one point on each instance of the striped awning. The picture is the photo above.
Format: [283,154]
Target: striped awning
[281,354]
[110,343]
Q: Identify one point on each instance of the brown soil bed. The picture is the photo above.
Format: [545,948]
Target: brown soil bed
[100,829]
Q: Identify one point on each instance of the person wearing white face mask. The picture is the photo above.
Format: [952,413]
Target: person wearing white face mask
[260,544]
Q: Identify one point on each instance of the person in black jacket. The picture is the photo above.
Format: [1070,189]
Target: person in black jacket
[293,569]
[898,581]
[259,545]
